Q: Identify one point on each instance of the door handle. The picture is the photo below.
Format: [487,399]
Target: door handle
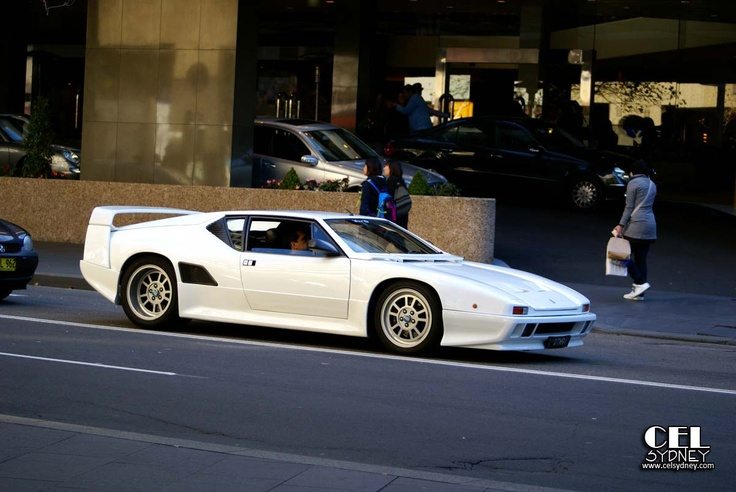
[249,262]
[269,164]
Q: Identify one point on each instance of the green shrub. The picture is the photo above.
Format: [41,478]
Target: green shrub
[291,181]
[419,185]
[446,189]
[37,143]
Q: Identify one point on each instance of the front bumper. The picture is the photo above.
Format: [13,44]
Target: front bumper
[472,330]
[25,267]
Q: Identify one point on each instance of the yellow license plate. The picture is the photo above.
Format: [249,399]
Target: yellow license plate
[7,264]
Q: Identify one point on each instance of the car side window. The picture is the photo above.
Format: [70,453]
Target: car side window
[287,146]
[284,236]
[513,137]
[471,135]
[263,140]
[449,135]
[235,227]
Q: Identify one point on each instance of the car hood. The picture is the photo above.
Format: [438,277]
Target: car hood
[539,293]
[11,233]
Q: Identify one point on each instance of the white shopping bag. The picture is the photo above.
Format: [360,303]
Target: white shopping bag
[616,268]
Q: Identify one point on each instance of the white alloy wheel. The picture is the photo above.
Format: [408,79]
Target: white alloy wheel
[408,318]
[585,193]
[149,293]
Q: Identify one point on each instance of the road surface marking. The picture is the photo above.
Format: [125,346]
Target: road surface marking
[536,372]
[93,364]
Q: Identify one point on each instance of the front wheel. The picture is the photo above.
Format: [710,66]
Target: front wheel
[408,318]
[149,293]
[585,193]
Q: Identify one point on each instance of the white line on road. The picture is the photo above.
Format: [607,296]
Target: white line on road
[94,364]
[536,372]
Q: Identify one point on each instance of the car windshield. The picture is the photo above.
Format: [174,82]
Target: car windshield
[339,145]
[554,137]
[13,129]
[378,236]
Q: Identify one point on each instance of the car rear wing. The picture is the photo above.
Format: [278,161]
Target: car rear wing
[101,224]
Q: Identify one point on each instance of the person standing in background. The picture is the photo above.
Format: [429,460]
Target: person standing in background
[638,226]
[397,188]
[416,109]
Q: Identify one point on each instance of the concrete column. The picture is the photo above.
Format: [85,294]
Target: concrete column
[352,62]
[159,85]
[244,102]
[530,37]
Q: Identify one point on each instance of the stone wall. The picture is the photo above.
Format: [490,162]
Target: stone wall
[58,211]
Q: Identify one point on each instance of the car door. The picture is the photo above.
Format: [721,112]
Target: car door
[278,150]
[467,157]
[518,156]
[277,279]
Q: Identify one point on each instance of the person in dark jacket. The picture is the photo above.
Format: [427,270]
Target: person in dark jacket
[638,226]
[369,192]
[397,187]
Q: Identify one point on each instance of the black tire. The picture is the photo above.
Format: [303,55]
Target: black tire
[585,193]
[149,293]
[5,293]
[407,318]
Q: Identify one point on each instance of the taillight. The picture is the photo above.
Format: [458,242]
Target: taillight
[519,310]
[388,149]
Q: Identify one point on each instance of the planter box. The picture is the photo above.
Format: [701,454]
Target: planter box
[58,210]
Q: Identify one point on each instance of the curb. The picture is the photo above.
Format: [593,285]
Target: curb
[60,281]
[659,335]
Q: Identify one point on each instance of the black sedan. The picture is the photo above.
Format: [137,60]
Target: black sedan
[18,259]
[486,156]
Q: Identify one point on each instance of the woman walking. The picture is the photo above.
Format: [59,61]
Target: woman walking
[638,226]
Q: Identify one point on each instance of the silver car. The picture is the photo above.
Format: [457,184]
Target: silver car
[64,160]
[316,151]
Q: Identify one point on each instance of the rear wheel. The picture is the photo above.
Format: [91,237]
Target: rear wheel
[149,294]
[585,193]
[5,293]
[408,318]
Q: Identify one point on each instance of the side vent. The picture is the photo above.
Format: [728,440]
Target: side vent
[195,274]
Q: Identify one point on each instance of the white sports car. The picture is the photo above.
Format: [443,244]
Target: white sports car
[323,272]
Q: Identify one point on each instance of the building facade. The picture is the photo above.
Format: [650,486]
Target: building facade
[169,88]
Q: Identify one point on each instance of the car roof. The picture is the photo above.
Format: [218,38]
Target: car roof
[296,214]
[295,124]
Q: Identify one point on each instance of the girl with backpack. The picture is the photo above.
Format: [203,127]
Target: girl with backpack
[397,188]
[375,200]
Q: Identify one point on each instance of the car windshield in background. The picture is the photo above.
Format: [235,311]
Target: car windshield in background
[12,128]
[339,145]
[554,137]
[377,236]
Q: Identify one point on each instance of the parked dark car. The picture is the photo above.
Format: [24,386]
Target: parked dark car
[65,161]
[485,156]
[18,259]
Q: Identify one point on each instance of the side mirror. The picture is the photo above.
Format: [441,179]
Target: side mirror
[310,159]
[323,248]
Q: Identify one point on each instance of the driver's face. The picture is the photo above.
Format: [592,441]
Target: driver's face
[300,243]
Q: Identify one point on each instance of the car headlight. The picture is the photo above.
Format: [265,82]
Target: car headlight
[27,243]
[70,156]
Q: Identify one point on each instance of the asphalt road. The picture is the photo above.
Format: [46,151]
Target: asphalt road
[570,419]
